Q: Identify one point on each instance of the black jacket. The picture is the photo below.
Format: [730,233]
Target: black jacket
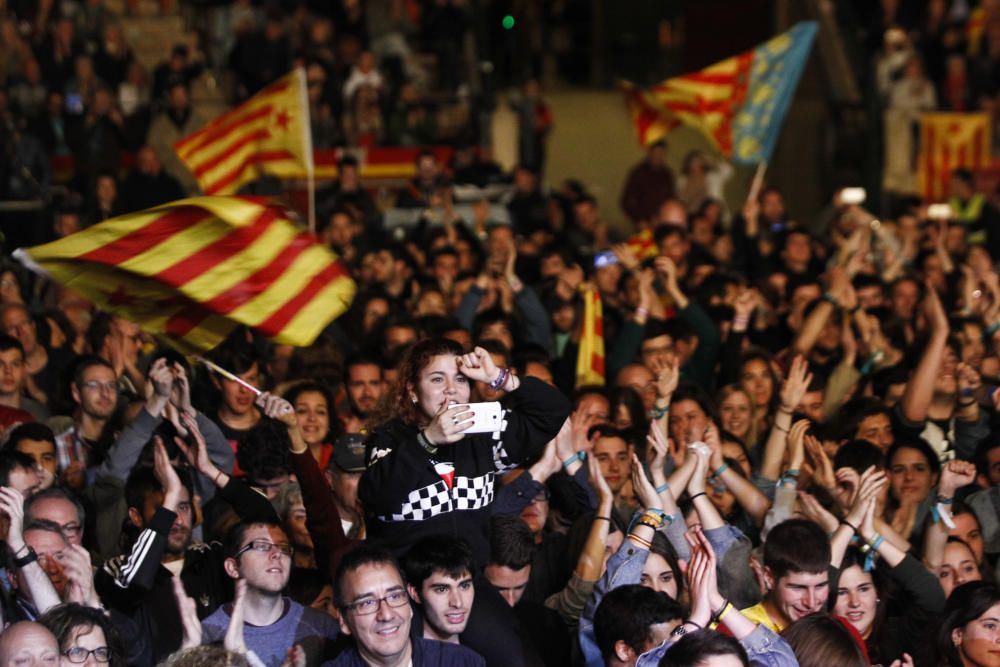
[405,498]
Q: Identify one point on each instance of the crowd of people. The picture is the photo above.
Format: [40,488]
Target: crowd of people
[792,459]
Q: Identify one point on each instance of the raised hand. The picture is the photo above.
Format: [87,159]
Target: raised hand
[667,378]
[166,476]
[816,513]
[822,466]
[12,504]
[871,483]
[234,639]
[180,394]
[696,484]
[196,453]
[656,448]
[955,475]
[277,408]
[478,366]
[796,384]
[190,623]
[449,424]
[625,256]
[79,573]
[598,483]
[644,489]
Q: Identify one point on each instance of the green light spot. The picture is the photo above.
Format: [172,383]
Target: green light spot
[508,22]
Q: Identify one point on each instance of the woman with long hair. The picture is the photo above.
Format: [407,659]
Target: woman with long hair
[425,475]
[313,407]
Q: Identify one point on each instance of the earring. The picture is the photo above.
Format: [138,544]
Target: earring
[414,399]
[878,600]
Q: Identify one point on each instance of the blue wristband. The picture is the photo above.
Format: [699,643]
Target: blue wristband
[579,456]
[663,487]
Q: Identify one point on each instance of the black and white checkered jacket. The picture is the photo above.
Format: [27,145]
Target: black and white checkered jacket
[406,499]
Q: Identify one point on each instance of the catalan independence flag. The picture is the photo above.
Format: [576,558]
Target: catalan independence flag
[590,358]
[738,104]
[267,134]
[195,269]
[950,141]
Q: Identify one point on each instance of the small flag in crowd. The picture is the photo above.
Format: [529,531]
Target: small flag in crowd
[950,141]
[590,358]
[643,245]
[267,134]
[738,104]
[195,269]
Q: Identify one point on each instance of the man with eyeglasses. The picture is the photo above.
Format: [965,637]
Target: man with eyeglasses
[261,554]
[375,610]
[95,393]
[57,505]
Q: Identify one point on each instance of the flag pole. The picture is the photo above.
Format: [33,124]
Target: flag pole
[758,181]
[300,73]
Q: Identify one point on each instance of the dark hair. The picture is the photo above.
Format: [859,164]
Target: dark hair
[10,460]
[511,542]
[84,364]
[796,545]
[63,619]
[30,431]
[142,481]
[54,493]
[626,614]
[858,410]
[10,343]
[293,394]
[982,457]
[263,454]
[687,391]
[397,403]
[965,604]
[661,546]
[237,534]
[694,648]
[630,398]
[437,553]
[858,455]
[819,640]
[363,554]
[920,445]
[359,359]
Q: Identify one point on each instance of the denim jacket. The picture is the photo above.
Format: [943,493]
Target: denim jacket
[763,647]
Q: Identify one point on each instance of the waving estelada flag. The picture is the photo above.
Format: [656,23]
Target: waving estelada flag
[590,357]
[267,134]
[738,104]
[195,269]
[950,141]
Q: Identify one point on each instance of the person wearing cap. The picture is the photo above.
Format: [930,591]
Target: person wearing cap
[342,474]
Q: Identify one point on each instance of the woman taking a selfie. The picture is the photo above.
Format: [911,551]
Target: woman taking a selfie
[426,474]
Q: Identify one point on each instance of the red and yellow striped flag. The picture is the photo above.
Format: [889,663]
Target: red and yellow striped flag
[267,134]
[950,141]
[590,358]
[195,269]
[643,245]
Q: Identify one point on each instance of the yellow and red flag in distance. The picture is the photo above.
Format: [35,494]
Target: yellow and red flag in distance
[950,141]
[267,134]
[195,269]
[590,358]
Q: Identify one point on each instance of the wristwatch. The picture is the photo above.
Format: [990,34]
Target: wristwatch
[26,559]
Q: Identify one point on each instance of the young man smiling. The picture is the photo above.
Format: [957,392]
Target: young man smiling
[796,570]
[439,575]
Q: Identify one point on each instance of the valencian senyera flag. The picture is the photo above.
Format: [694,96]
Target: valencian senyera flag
[267,134]
[949,141]
[590,358]
[738,104]
[193,270]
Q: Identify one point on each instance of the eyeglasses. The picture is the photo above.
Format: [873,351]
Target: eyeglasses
[71,529]
[78,654]
[369,606]
[263,547]
[94,385]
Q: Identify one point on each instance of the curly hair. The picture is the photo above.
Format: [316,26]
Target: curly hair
[263,454]
[397,402]
[65,619]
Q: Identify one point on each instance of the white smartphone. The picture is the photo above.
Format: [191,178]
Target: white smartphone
[487,417]
[853,196]
[939,212]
